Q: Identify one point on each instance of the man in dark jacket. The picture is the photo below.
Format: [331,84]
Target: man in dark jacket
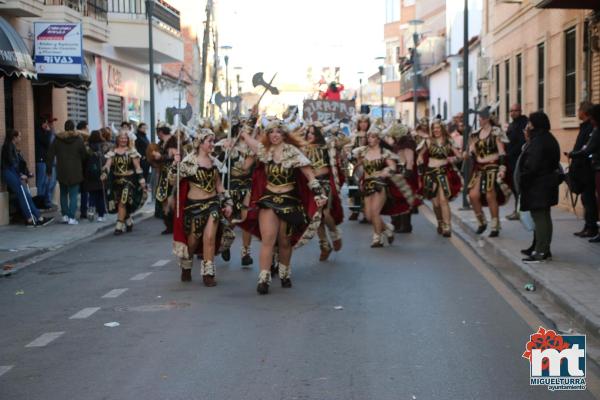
[44,136]
[582,171]
[141,144]
[516,137]
[539,181]
[69,150]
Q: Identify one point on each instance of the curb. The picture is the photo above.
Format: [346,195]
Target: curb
[467,234]
[36,255]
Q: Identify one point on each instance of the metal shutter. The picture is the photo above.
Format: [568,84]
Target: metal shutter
[77,107]
[115,110]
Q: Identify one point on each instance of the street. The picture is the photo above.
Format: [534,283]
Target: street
[418,322]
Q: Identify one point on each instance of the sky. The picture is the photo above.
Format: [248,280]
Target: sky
[288,36]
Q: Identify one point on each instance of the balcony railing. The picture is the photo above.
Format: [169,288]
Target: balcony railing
[163,11]
[407,84]
[96,9]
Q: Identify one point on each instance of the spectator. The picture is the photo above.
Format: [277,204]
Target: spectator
[141,144]
[516,137]
[457,133]
[70,154]
[82,129]
[44,136]
[15,175]
[539,180]
[92,184]
[582,172]
[334,91]
[592,150]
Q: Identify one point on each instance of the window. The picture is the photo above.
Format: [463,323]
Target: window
[541,75]
[570,73]
[77,105]
[445,110]
[497,78]
[115,109]
[520,79]
[507,89]
[439,106]
[392,11]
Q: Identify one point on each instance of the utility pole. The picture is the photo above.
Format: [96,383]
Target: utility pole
[465,170]
[205,43]
[150,12]
[415,66]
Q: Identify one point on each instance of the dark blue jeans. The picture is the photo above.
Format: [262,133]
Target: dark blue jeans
[45,185]
[68,200]
[14,183]
[84,200]
[97,200]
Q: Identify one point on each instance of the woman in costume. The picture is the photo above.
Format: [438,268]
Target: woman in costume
[385,191]
[322,155]
[240,183]
[127,190]
[202,202]
[359,139]
[285,200]
[487,185]
[441,181]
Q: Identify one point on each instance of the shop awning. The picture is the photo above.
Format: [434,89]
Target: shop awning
[81,81]
[14,55]
[573,4]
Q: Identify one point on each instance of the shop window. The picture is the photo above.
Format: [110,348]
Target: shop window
[570,73]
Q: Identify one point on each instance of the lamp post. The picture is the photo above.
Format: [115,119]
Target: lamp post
[226,49]
[360,74]
[415,65]
[381,71]
[150,14]
[465,170]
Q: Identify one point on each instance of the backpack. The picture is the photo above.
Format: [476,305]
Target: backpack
[93,167]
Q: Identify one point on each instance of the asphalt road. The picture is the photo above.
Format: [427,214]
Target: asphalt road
[418,322]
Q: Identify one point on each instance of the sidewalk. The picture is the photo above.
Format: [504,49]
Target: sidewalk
[20,243]
[572,278]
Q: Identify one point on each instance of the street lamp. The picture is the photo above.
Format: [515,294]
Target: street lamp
[239,87]
[150,14]
[360,74]
[381,70]
[226,50]
[415,64]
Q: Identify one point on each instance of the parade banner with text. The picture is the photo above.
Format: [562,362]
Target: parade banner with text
[58,48]
[328,110]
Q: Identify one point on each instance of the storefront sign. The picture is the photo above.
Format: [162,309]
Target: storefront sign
[58,48]
[126,82]
[328,110]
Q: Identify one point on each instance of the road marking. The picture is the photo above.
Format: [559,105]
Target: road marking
[505,291]
[45,339]
[86,312]
[114,293]
[161,263]
[141,276]
[4,369]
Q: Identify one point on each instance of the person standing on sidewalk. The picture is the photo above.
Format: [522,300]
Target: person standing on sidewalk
[44,136]
[70,154]
[15,175]
[83,130]
[592,150]
[516,140]
[141,144]
[92,184]
[582,173]
[539,180]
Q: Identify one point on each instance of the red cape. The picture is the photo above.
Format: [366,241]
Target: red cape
[259,184]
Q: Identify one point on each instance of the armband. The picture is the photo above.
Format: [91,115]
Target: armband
[315,187]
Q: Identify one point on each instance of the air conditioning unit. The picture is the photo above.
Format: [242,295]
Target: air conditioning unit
[484,69]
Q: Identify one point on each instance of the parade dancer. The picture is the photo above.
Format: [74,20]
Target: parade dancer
[359,139]
[385,191]
[203,202]
[164,191]
[285,200]
[322,155]
[127,190]
[240,184]
[404,146]
[487,186]
[441,181]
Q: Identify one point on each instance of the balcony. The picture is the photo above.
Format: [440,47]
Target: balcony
[129,31]
[407,86]
[94,13]
[22,8]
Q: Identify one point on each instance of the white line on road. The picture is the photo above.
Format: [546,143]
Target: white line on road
[141,276]
[4,369]
[45,339]
[114,293]
[161,263]
[86,312]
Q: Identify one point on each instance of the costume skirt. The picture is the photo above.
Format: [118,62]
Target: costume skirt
[125,190]
[488,182]
[239,187]
[287,207]
[196,214]
[445,177]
